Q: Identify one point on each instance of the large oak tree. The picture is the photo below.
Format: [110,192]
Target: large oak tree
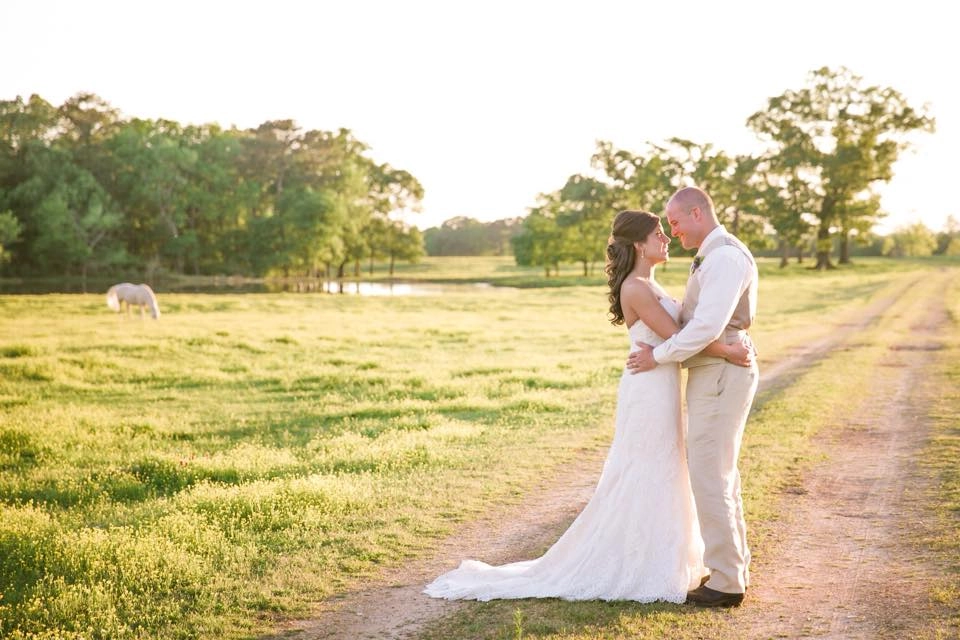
[841,138]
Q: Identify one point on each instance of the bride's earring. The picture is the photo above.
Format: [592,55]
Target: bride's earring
[642,255]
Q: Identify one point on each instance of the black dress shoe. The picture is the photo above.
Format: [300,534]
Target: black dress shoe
[704,596]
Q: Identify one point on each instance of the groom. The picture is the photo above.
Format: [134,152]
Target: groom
[720,303]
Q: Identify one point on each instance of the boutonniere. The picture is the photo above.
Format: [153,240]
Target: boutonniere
[697,261]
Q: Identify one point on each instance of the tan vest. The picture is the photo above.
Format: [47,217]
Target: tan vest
[741,319]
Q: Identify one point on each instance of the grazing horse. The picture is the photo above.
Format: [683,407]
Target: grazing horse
[139,294]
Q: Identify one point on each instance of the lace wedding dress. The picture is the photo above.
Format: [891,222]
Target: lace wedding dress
[638,537]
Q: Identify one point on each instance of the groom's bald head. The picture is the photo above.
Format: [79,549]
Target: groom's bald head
[690,197]
[691,216]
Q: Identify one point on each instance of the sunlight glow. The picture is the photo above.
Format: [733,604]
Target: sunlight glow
[489,104]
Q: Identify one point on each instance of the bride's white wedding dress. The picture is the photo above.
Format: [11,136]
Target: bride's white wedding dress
[638,538]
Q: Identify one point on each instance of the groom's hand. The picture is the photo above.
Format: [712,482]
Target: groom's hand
[743,353]
[642,359]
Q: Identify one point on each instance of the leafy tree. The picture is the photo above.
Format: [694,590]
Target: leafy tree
[637,181]
[540,243]
[733,183]
[500,232]
[89,189]
[72,213]
[583,213]
[26,131]
[392,191]
[948,240]
[953,247]
[459,236]
[787,204]
[841,138]
[402,242]
[10,229]
[915,240]
[146,165]
[216,201]
[468,236]
[86,119]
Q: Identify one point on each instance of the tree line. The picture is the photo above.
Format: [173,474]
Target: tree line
[83,190]
[828,145]
[465,236]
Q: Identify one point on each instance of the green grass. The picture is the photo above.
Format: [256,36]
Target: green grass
[249,455]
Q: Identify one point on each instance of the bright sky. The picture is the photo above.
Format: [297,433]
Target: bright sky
[489,103]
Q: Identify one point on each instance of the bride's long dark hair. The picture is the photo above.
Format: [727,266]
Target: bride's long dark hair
[628,227]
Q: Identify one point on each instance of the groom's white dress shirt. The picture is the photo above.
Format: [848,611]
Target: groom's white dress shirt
[726,272]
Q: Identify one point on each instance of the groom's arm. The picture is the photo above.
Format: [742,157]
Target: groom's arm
[723,279]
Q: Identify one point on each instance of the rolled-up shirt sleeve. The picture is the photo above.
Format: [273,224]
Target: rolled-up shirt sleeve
[724,276]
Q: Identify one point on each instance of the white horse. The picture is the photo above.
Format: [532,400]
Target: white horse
[139,294]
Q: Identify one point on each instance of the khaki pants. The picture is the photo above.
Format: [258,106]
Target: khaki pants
[719,397]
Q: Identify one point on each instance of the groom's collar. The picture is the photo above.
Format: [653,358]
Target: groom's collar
[714,235]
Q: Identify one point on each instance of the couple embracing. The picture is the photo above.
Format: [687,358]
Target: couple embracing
[666,520]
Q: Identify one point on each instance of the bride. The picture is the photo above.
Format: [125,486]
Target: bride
[638,537]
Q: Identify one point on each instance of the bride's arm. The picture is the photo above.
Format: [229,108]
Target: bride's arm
[640,298]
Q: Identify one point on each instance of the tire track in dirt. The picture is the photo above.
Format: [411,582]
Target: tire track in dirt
[392,606]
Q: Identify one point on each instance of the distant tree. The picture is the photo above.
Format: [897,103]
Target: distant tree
[733,182]
[459,236]
[72,213]
[583,214]
[949,239]
[217,201]
[145,165]
[787,204]
[647,180]
[393,192]
[354,209]
[89,189]
[10,229]
[499,234]
[402,242]
[637,181]
[841,138]
[86,119]
[915,240]
[540,243]
[27,129]
[953,247]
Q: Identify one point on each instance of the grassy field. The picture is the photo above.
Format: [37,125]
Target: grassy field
[249,455]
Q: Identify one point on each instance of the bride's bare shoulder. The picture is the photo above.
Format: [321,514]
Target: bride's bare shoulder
[639,289]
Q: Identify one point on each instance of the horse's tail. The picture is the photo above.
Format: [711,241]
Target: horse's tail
[151,301]
[112,300]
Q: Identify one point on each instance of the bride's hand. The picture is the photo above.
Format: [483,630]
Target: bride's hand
[742,353]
